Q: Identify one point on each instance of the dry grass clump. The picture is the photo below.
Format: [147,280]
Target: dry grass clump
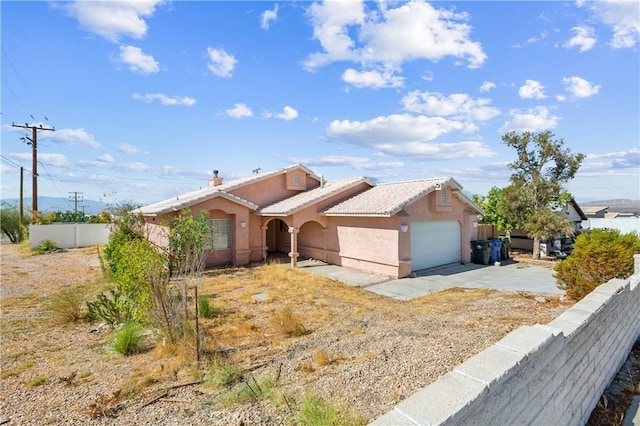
[321,357]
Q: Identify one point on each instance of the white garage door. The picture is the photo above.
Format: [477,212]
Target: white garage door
[434,244]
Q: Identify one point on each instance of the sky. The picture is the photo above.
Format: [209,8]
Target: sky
[148,97]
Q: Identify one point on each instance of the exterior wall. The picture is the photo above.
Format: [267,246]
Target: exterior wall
[69,235]
[273,189]
[541,374]
[622,224]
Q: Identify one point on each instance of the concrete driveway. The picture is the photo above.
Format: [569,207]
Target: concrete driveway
[510,275]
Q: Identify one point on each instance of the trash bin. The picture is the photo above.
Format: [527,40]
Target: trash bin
[481,251]
[496,250]
[506,248]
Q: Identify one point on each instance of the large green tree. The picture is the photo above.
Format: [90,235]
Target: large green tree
[537,189]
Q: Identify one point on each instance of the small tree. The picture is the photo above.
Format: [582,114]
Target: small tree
[493,206]
[189,237]
[597,257]
[10,221]
[536,191]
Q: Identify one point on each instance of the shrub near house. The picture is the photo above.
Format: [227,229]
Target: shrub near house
[597,257]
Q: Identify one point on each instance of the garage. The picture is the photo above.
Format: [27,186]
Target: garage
[434,244]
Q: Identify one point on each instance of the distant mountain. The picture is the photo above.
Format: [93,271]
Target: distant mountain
[51,204]
[620,205]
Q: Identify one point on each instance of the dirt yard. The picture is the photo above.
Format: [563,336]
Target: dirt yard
[361,352]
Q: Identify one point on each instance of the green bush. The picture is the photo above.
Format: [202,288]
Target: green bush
[140,267]
[223,374]
[128,339]
[46,246]
[65,306]
[597,257]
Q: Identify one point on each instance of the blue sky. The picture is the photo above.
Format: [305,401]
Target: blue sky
[149,97]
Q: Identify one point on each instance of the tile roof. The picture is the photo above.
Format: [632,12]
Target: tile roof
[312,196]
[204,194]
[189,199]
[387,199]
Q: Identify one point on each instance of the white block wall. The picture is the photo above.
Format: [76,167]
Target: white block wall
[537,375]
[68,235]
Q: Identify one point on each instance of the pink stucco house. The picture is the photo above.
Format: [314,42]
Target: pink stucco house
[389,228]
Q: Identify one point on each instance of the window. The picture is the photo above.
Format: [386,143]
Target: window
[221,233]
[296,179]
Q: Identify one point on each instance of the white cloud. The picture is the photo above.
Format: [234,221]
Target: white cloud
[390,36]
[239,110]
[584,38]
[356,163]
[267,17]
[579,87]
[164,99]
[113,19]
[106,158]
[137,60]
[536,119]
[487,86]
[623,16]
[50,159]
[128,148]
[456,105]
[532,90]
[287,114]
[614,160]
[372,79]
[407,136]
[220,62]
[71,137]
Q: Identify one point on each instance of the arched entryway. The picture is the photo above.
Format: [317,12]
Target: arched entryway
[277,238]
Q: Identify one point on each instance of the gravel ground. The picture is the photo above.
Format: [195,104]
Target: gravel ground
[378,351]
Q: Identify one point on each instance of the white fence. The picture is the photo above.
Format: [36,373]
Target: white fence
[69,235]
[623,224]
[550,374]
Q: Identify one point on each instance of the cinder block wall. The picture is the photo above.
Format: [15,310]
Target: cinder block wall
[541,374]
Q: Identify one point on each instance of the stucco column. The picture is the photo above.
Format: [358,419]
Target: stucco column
[293,254]
[263,242]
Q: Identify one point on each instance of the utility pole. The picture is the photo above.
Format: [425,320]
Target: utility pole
[74,197]
[21,215]
[34,158]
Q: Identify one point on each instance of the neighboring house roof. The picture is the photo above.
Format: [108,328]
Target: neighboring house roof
[591,210]
[312,196]
[580,211]
[387,199]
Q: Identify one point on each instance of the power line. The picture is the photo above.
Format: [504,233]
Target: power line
[23,84]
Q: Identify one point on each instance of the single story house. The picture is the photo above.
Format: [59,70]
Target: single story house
[595,211]
[388,228]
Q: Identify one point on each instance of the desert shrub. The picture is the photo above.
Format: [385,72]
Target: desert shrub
[127,227]
[46,246]
[109,309]
[288,322]
[128,339]
[206,308]
[315,411]
[597,257]
[66,305]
